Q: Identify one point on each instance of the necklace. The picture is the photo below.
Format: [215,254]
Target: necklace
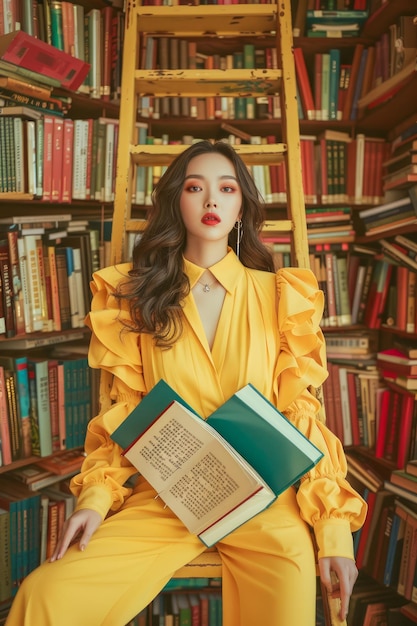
[206,286]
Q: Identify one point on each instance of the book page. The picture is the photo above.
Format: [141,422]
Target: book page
[193,469]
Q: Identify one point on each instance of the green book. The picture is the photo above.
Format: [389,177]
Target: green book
[248,449]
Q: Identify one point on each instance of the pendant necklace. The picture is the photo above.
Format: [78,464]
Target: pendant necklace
[206,286]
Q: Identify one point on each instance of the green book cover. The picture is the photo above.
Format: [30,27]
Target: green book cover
[262,434]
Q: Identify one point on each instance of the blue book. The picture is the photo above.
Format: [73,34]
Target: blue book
[358,85]
[240,459]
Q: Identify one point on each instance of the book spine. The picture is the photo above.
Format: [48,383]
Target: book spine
[6,278]
[6,448]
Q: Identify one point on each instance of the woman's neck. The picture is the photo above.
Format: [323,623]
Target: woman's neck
[205,256]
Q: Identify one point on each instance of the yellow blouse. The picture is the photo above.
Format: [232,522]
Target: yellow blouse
[268,335]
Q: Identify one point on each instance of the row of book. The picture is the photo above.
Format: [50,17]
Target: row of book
[336,169]
[198,607]
[45,274]
[370,397]
[30,523]
[368,285]
[386,545]
[59,160]
[46,403]
[55,159]
[92,38]
[173,53]
[330,88]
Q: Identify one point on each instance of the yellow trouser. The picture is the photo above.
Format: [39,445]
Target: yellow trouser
[268,569]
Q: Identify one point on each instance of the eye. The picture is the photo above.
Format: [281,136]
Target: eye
[193,188]
[228,188]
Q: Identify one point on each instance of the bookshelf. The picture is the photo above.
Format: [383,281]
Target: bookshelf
[66,222]
[361,388]
[255,26]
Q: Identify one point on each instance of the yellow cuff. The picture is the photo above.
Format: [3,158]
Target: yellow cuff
[334,538]
[95,497]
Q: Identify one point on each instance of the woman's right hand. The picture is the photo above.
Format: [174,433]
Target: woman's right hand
[81,524]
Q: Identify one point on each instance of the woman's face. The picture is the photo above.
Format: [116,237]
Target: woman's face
[211,198]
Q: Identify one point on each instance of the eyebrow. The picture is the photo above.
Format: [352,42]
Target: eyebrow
[201,177]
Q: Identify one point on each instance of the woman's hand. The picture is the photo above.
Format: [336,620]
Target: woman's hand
[346,573]
[81,524]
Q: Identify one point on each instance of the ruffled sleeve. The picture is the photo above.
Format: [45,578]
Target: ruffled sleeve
[302,359]
[99,486]
[327,501]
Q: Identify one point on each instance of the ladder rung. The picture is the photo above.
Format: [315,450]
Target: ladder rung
[204,20]
[252,154]
[277,226]
[201,83]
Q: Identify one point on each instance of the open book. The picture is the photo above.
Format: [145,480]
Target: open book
[215,474]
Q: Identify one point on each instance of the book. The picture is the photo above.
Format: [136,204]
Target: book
[37,56]
[64,463]
[245,432]
[5,562]
[39,407]
[406,494]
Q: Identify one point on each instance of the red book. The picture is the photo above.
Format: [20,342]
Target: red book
[365,529]
[384,409]
[402,297]
[107,19]
[324,180]
[378,294]
[48,129]
[57,161]
[53,402]
[67,159]
[394,421]
[6,448]
[33,54]
[68,26]
[407,410]
[304,86]
[318,60]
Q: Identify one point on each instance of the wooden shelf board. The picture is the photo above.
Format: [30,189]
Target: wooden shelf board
[390,113]
[147,155]
[13,195]
[39,340]
[203,20]
[203,83]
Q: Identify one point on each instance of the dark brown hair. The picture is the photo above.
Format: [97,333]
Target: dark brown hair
[158,285]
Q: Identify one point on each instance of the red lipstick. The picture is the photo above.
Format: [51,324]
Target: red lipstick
[210,219]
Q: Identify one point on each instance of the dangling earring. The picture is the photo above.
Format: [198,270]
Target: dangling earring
[239,236]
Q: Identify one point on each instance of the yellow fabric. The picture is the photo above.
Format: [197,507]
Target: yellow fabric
[266,562]
[268,335]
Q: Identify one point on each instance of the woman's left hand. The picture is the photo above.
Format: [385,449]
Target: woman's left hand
[346,573]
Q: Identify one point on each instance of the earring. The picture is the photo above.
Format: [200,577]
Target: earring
[239,236]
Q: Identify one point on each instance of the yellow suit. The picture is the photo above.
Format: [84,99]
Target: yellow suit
[268,334]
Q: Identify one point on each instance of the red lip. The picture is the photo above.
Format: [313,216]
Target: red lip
[210,219]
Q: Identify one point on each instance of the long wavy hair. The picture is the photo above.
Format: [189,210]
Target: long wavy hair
[157,284]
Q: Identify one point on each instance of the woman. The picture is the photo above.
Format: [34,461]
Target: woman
[208,321]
